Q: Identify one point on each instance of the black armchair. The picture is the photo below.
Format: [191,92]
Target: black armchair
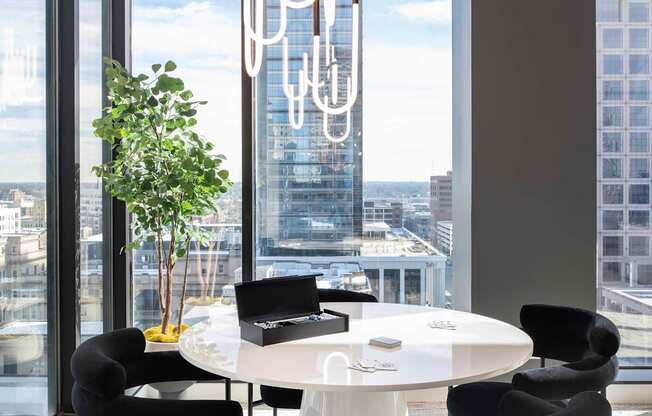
[105,365]
[517,403]
[586,341]
[277,397]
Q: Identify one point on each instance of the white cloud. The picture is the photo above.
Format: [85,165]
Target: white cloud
[407,112]
[179,33]
[433,11]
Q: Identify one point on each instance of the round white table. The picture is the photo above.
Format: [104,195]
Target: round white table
[479,348]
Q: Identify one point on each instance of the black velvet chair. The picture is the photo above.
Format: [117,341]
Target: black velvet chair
[517,403]
[105,365]
[277,397]
[586,341]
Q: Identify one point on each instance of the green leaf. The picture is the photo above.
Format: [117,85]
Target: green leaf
[156,67]
[224,174]
[170,66]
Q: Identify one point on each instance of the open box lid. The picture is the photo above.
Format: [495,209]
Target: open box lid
[277,298]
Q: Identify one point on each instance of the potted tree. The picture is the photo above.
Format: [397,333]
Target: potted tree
[166,173]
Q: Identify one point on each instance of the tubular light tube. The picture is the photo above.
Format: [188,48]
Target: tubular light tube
[303,87]
[306,72]
[288,90]
[329,8]
[252,68]
[298,5]
[352,81]
[328,134]
[334,82]
[299,123]
[260,14]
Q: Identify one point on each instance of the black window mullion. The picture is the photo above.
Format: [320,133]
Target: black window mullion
[66,138]
[116,43]
[248,171]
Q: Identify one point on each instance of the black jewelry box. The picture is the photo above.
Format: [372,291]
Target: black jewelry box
[282,298]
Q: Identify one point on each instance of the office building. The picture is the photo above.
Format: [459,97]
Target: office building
[310,202]
[391,213]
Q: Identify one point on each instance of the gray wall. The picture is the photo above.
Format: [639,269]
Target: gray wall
[524,154]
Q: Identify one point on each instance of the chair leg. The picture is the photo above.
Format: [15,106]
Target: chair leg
[250,399]
[274,411]
[227,389]
[543,362]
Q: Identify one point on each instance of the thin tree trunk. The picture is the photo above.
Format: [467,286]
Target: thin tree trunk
[159,254]
[214,278]
[200,273]
[209,264]
[183,288]
[168,284]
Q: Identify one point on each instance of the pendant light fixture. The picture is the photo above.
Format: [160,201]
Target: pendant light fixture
[308,78]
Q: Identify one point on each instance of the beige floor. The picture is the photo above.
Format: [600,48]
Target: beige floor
[416,408]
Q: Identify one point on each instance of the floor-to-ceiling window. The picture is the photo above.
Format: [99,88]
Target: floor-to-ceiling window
[203,39]
[624,155]
[23,222]
[362,212]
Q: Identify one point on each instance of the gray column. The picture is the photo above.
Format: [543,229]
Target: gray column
[524,154]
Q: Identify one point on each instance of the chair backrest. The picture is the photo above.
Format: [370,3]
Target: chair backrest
[97,364]
[569,334]
[339,295]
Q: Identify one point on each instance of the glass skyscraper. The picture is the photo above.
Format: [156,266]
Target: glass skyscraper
[309,190]
[624,154]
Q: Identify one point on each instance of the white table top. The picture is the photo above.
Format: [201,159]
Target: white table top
[479,348]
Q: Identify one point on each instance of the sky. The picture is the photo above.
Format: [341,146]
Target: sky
[406,81]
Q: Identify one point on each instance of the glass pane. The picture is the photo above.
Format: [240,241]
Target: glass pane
[612,246]
[639,12]
[639,219]
[639,64]
[612,90]
[639,168]
[639,245]
[335,209]
[413,287]
[639,90]
[608,10]
[612,168]
[392,290]
[612,142]
[90,195]
[612,220]
[639,194]
[23,221]
[611,272]
[612,38]
[639,117]
[612,116]
[639,38]
[203,39]
[639,142]
[612,64]
[612,194]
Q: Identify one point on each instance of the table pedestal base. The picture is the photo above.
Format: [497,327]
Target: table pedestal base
[317,403]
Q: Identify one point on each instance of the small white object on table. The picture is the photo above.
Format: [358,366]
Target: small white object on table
[478,349]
